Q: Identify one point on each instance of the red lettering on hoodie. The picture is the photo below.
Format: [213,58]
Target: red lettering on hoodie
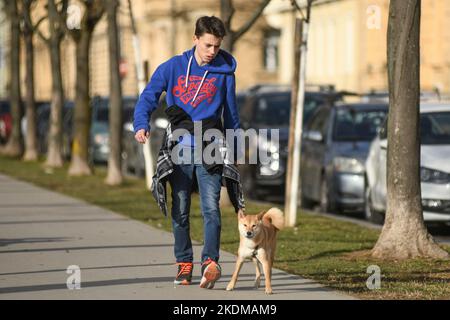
[186,95]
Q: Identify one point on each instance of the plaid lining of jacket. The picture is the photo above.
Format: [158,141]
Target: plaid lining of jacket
[164,167]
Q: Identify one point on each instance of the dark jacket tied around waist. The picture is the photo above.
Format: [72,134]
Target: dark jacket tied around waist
[179,119]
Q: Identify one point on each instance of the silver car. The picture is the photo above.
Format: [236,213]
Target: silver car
[434,171]
[334,149]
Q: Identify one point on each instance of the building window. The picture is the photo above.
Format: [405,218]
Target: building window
[271,42]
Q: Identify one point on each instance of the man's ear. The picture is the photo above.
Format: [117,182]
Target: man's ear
[241,214]
[261,215]
[194,39]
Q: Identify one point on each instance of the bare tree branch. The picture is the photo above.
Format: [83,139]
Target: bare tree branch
[251,21]
[63,11]
[38,23]
[308,10]
[28,7]
[227,11]
[41,35]
[297,7]
[29,26]
[309,5]
[99,11]
[62,16]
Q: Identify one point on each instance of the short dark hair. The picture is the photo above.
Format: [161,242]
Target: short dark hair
[212,25]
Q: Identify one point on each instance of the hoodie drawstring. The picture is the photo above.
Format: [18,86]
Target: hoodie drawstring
[188,69]
[187,77]
[199,87]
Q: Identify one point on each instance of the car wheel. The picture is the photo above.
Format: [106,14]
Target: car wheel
[327,203]
[370,213]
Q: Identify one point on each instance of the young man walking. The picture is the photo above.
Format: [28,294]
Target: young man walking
[199,85]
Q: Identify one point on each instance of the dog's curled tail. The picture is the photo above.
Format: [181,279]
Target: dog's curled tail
[275,217]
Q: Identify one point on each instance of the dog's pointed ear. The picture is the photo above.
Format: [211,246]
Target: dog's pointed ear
[261,215]
[241,214]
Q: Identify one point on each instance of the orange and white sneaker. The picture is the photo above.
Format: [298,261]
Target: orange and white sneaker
[211,272]
[184,275]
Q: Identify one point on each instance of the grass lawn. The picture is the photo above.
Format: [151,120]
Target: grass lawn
[318,247]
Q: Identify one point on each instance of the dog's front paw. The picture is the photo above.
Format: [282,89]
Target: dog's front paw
[230,287]
[269,291]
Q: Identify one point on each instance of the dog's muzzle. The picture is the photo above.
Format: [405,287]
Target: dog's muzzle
[249,235]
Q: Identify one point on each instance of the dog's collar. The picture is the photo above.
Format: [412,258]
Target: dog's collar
[255,252]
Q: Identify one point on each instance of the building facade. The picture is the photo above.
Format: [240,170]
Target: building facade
[347,44]
[165,28]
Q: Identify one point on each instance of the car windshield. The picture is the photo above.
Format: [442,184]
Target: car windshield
[310,106]
[102,111]
[435,128]
[274,110]
[357,125]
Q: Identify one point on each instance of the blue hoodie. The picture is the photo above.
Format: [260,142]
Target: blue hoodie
[199,90]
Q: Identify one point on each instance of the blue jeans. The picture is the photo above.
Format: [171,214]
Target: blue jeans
[181,181]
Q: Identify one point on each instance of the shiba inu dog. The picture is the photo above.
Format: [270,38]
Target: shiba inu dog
[258,242]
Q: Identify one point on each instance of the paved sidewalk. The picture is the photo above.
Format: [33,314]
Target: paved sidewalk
[42,233]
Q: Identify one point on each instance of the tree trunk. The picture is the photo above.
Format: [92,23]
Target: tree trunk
[298,32]
[404,234]
[31,153]
[56,31]
[114,176]
[14,147]
[226,14]
[54,152]
[82,115]
[227,42]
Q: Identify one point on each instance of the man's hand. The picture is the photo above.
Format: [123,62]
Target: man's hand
[142,135]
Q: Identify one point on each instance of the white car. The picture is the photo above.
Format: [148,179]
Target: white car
[434,170]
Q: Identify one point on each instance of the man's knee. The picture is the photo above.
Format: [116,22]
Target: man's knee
[210,203]
[180,206]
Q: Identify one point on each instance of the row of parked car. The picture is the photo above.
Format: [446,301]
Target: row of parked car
[343,159]
[99,135]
